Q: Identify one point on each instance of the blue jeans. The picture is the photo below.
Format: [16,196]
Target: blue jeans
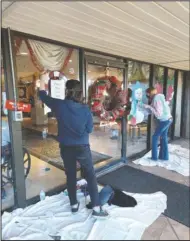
[162,132]
[105,194]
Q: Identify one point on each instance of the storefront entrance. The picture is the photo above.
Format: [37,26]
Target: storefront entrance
[46,170]
[103,145]
[112,143]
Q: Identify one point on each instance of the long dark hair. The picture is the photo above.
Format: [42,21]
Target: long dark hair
[74,91]
[150,93]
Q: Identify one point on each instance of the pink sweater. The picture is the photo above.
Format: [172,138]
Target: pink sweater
[160,108]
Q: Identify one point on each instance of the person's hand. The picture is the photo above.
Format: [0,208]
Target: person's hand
[140,104]
[43,73]
[146,106]
[43,79]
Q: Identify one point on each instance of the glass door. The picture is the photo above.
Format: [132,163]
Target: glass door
[106,138]
[39,128]
[137,126]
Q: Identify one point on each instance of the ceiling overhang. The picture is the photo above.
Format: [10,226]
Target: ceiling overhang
[153,32]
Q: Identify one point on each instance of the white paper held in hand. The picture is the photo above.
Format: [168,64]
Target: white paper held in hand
[58,89]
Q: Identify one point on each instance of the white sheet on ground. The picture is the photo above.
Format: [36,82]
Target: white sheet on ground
[178,160]
[52,217]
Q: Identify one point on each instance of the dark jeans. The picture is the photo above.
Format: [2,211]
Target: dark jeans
[82,154]
[162,132]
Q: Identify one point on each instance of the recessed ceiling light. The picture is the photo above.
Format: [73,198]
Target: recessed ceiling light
[70,61]
[23,53]
[89,71]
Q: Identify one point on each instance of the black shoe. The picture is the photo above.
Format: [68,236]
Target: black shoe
[89,206]
[75,210]
[101,214]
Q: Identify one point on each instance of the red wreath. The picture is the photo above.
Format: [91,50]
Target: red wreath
[113,108]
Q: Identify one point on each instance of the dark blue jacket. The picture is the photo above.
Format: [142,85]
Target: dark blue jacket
[74,120]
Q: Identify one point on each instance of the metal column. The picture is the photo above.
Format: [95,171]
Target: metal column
[15,127]
[165,81]
[174,104]
[185,99]
[183,104]
[150,117]
[124,120]
[82,71]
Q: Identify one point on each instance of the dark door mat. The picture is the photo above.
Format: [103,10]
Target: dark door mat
[48,149]
[133,180]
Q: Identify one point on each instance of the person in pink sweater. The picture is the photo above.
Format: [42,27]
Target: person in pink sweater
[159,107]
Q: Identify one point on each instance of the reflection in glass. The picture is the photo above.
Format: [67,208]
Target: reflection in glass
[158,83]
[7,188]
[47,169]
[138,82]
[170,92]
[159,79]
[170,88]
[106,138]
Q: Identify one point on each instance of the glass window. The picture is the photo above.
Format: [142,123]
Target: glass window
[158,83]
[71,69]
[7,188]
[138,82]
[170,92]
[170,88]
[159,79]
[47,169]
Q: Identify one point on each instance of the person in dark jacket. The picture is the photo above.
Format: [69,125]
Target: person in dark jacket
[75,123]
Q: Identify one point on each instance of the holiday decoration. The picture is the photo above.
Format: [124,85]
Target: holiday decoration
[170,89]
[159,88]
[137,114]
[159,77]
[170,93]
[107,99]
